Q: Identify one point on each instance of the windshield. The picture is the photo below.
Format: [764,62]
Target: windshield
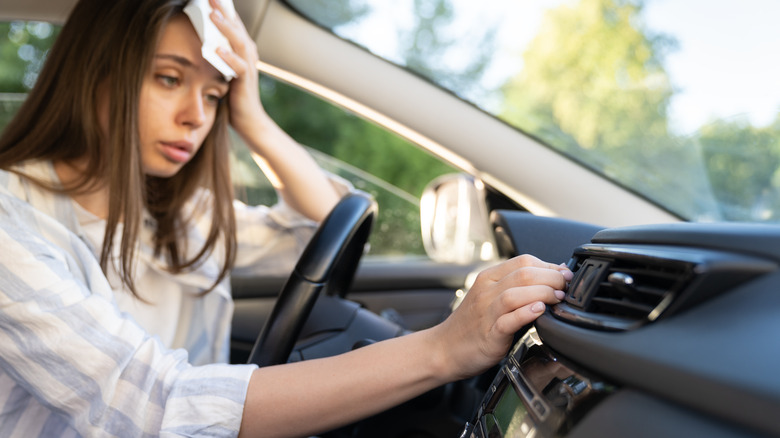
[677,101]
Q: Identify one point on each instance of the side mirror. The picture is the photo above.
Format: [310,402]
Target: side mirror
[454,219]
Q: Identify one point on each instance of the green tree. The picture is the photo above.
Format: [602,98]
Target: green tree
[376,151]
[423,47]
[593,85]
[433,40]
[349,138]
[331,14]
[592,67]
[742,164]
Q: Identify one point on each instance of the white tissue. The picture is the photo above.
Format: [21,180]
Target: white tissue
[210,36]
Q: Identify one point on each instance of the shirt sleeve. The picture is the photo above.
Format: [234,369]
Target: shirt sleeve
[65,345]
[271,239]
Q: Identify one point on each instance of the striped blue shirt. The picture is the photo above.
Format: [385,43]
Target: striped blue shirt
[74,362]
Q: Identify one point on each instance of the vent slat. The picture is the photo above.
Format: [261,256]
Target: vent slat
[658,292]
[657,273]
[642,289]
[628,288]
[625,285]
[622,306]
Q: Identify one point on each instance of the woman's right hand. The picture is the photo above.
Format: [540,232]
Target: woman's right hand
[503,299]
[341,389]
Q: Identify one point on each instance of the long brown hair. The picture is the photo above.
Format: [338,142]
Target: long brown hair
[107,47]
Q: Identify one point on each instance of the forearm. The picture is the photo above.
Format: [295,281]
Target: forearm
[339,390]
[300,181]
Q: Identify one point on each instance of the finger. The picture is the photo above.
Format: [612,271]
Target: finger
[217,5]
[528,276]
[526,260]
[233,29]
[509,323]
[567,273]
[230,30]
[236,62]
[512,299]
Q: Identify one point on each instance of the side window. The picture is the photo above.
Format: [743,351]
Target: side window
[373,159]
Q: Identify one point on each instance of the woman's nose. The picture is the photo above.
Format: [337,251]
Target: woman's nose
[192,110]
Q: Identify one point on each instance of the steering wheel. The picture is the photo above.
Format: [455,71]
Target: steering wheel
[328,263]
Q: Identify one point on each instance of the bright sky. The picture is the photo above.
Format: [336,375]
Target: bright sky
[726,65]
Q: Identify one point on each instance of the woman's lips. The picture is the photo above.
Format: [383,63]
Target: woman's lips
[177,151]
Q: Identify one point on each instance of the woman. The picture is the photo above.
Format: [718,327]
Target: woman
[118,232]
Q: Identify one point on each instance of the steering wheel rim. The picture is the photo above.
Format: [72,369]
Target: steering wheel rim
[328,263]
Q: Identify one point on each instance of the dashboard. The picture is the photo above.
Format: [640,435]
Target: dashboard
[666,330]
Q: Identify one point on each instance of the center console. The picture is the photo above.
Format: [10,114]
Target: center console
[535,394]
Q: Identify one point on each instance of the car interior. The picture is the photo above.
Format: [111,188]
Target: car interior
[669,327]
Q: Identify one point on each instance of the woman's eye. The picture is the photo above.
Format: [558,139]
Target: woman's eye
[214,98]
[168,81]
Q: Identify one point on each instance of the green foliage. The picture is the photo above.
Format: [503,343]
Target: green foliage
[742,163]
[393,170]
[593,85]
[332,14]
[591,68]
[375,154]
[330,129]
[434,41]
[423,46]
[23,48]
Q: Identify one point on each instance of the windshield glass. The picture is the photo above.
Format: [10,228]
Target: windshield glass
[676,100]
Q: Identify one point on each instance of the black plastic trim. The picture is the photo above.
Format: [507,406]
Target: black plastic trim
[633,414]
[748,238]
[720,358]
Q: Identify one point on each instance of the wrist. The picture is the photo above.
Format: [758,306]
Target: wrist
[259,132]
[440,355]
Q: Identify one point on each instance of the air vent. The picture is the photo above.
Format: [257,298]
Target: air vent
[621,287]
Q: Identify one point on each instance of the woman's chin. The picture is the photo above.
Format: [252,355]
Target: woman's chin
[163,171]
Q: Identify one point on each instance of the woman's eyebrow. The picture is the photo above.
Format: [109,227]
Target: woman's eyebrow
[184,62]
[176,58]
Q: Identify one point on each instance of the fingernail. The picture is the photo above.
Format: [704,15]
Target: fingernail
[560,295]
[538,307]
[567,275]
[218,15]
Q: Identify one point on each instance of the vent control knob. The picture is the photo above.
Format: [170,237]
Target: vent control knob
[623,282]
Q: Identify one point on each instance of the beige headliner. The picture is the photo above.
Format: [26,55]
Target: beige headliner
[295,50]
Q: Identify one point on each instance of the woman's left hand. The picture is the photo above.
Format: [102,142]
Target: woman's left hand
[289,167]
[246,110]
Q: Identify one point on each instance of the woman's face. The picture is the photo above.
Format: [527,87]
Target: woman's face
[179,99]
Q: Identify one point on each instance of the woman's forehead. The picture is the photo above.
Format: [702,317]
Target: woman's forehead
[179,42]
